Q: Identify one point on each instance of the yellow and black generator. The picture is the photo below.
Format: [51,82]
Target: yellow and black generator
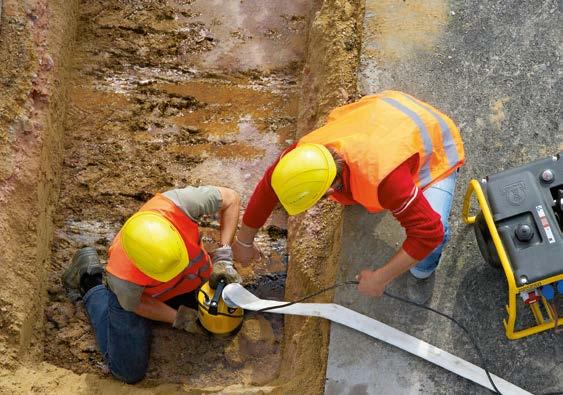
[520,229]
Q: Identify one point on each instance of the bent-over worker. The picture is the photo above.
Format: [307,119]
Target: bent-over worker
[386,151]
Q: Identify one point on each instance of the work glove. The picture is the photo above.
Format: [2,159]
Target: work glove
[223,268]
[224,253]
[186,320]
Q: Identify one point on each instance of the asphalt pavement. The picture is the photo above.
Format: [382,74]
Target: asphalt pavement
[493,66]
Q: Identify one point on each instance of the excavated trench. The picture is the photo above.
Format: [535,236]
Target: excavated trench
[146,97]
[161,99]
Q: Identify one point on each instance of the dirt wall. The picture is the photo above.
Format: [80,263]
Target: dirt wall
[34,40]
[329,80]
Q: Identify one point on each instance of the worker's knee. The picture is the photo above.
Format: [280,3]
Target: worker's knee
[129,371]
[129,376]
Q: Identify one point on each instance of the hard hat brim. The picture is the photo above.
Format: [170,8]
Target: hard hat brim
[169,274]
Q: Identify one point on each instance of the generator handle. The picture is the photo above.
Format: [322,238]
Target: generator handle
[214,303]
[474,186]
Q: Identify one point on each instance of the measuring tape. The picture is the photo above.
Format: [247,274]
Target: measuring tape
[235,295]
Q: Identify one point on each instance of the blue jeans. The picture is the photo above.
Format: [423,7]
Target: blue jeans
[123,337]
[440,197]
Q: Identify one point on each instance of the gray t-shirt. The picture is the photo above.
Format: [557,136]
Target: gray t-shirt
[194,202]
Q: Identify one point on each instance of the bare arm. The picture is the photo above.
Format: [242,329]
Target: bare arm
[229,212]
[397,265]
[246,234]
[155,310]
[373,283]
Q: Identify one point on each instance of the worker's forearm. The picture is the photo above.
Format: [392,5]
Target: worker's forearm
[246,234]
[397,265]
[155,310]
[230,210]
[229,220]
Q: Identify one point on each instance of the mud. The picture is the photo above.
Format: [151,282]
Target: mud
[143,120]
[164,94]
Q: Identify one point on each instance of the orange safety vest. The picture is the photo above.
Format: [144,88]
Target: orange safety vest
[198,270]
[379,132]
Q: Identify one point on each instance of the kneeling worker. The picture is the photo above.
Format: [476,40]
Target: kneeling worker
[155,266]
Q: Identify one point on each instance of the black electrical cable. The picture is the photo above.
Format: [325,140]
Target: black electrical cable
[354,282]
[483,361]
[308,296]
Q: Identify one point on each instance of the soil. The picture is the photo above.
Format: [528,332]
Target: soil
[33,45]
[143,118]
[164,94]
[329,80]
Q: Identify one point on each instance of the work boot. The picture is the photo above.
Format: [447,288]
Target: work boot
[84,271]
[419,290]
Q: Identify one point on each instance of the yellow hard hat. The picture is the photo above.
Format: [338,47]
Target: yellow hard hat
[154,245]
[217,318]
[302,177]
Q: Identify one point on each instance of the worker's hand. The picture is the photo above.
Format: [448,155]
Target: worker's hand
[370,283]
[244,253]
[186,320]
[223,268]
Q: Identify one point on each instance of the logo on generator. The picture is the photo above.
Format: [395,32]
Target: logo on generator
[515,193]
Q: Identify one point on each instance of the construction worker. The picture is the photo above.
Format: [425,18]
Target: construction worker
[156,263]
[385,151]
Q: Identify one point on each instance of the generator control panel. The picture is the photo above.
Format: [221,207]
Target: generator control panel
[526,203]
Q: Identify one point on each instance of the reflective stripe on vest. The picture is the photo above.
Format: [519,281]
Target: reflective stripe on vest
[447,137]
[189,276]
[425,177]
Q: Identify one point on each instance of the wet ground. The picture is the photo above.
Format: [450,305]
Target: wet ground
[166,94]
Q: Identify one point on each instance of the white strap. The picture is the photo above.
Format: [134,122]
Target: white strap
[243,244]
[235,295]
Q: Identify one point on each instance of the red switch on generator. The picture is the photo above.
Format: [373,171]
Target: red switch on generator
[530,297]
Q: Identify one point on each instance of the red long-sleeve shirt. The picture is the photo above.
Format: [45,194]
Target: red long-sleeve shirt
[397,193]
